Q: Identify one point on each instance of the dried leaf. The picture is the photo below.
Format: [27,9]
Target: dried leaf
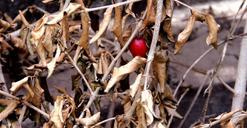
[159,125]
[51,65]
[147,103]
[87,121]
[228,124]
[36,100]
[173,112]
[23,19]
[141,120]
[46,1]
[160,69]
[134,87]
[199,16]
[5,45]
[4,25]
[117,27]
[65,28]
[30,91]
[42,53]
[103,25]
[83,42]
[184,35]
[18,43]
[63,107]
[126,101]
[39,29]
[51,33]
[223,118]
[128,10]
[213,30]
[16,85]
[168,8]
[10,107]
[121,72]
[150,16]
[103,64]
[57,17]
[167,28]
[127,33]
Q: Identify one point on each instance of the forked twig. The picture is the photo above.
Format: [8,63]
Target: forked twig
[194,101]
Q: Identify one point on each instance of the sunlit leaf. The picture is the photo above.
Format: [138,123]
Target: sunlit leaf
[103,25]
[87,121]
[121,72]
[148,104]
[17,85]
[134,87]
[51,65]
[57,17]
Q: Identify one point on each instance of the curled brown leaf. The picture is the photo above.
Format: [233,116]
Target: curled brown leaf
[150,16]
[85,20]
[167,28]
[65,29]
[63,107]
[117,27]
[213,30]
[160,69]
[184,35]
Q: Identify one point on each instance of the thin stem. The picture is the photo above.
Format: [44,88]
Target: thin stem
[110,6]
[188,6]
[184,4]
[154,42]
[104,121]
[226,85]
[193,101]
[180,99]
[201,57]
[92,98]
[36,109]
[26,103]
[79,71]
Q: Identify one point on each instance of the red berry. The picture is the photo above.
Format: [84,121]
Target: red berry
[138,47]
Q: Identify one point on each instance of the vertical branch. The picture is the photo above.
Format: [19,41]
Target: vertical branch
[240,84]
[154,42]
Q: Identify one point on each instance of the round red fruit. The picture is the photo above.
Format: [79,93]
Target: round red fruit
[138,47]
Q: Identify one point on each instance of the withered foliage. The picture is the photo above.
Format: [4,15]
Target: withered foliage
[53,40]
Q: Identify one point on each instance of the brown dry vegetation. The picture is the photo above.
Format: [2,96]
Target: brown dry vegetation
[87,43]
